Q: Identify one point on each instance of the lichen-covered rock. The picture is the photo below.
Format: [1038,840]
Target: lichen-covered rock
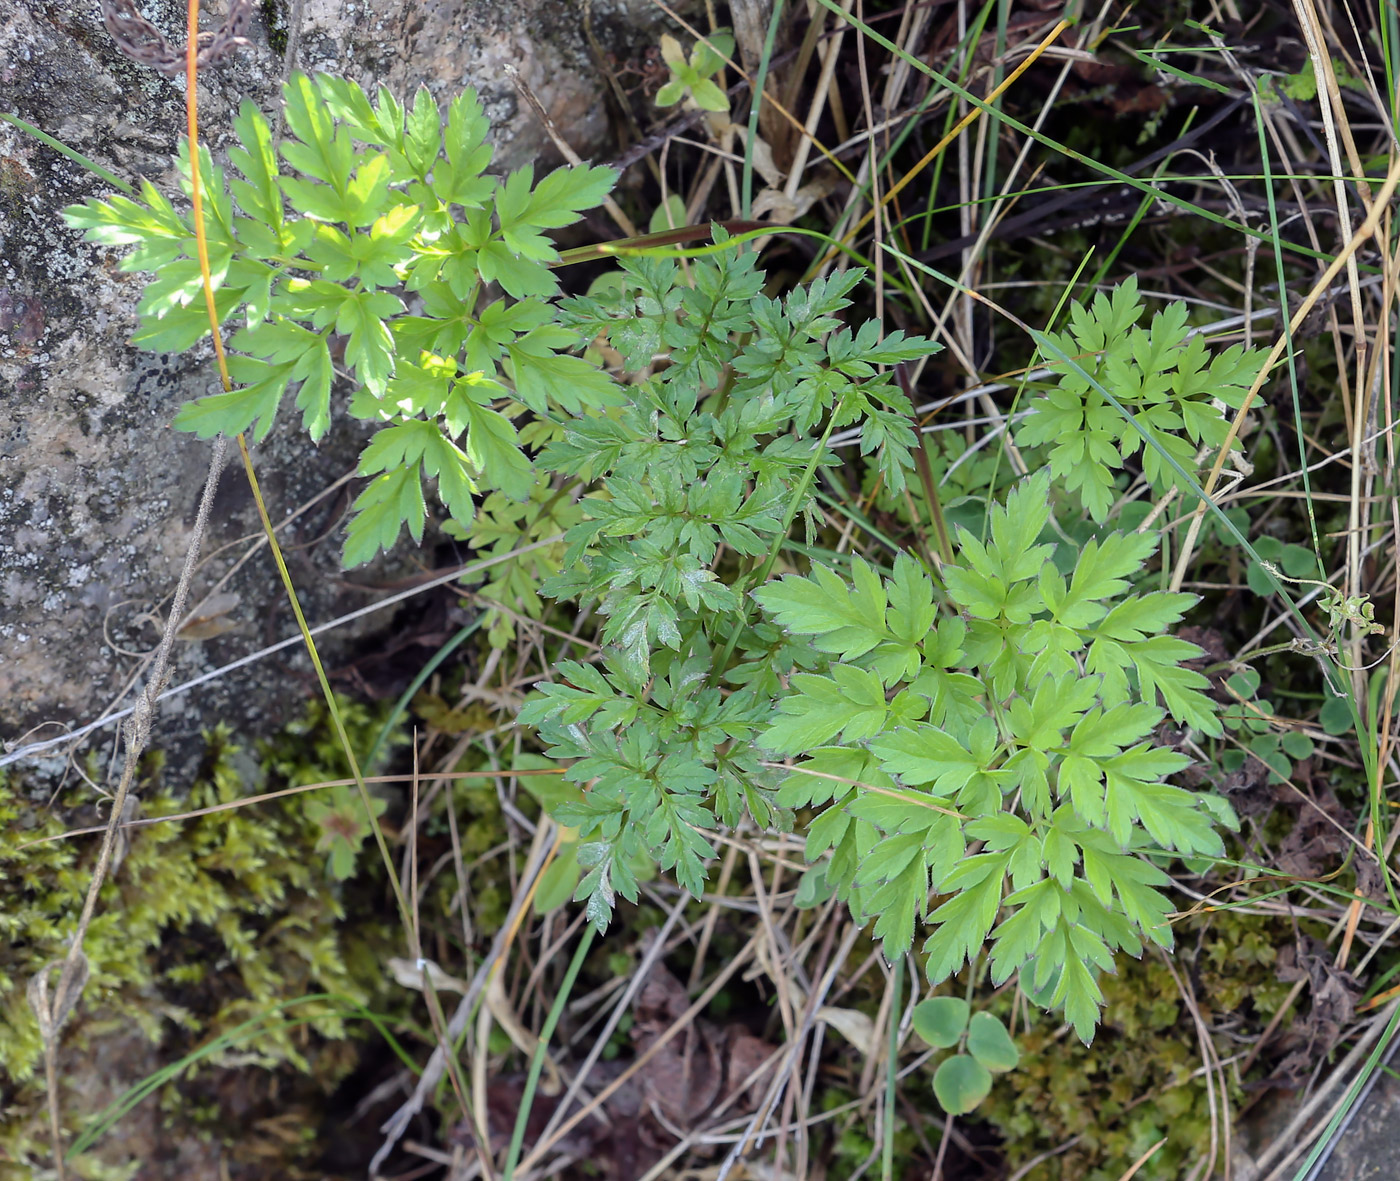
[97,493]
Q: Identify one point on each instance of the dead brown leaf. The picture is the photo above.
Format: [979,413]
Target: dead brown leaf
[702,1068]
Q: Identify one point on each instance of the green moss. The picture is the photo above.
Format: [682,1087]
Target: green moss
[205,924]
[1138,1082]
[274,14]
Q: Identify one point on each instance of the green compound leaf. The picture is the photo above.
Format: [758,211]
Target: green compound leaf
[850,701]
[545,377]
[258,194]
[941,1020]
[493,447]
[159,234]
[846,618]
[960,1083]
[1168,383]
[262,386]
[557,201]
[389,502]
[324,152]
[884,622]
[991,1045]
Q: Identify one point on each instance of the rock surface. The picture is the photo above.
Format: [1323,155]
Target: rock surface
[97,493]
[1369,1149]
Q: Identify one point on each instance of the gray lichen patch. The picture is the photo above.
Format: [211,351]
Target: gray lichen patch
[96,491]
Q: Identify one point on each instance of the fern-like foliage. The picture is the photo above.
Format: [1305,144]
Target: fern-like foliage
[696,481]
[1171,383]
[976,745]
[993,745]
[378,206]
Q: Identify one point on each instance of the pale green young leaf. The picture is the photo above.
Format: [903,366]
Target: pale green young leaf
[851,701]
[261,387]
[370,348]
[962,922]
[258,194]
[371,258]
[670,93]
[381,510]
[324,152]
[708,96]
[1151,614]
[707,58]
[493,447]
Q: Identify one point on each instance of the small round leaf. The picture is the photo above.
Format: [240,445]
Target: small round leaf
[1298,562]
[990,1044]
[960,1084]
[940,1020]
[1336,716]
[1245,683]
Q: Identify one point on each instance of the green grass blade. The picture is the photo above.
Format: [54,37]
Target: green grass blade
[532,1081]
[77,157]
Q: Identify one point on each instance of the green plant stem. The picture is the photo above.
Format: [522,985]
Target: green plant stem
[1382,1043]
[891,1069]
[1288,334]
[532,1080]
[755,107]
[405,912]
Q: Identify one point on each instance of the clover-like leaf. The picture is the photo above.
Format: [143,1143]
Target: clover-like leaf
[960,1083]
[941,1020]
[990,1044]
